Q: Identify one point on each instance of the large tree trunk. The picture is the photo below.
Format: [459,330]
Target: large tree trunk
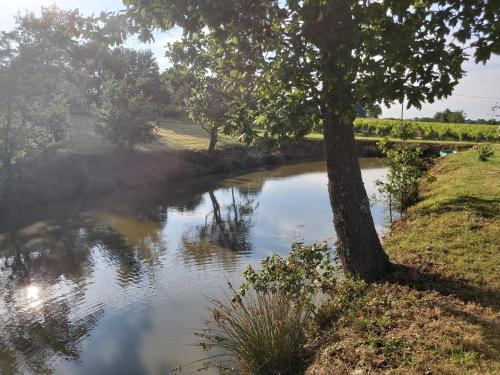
[358,245]
[332,29]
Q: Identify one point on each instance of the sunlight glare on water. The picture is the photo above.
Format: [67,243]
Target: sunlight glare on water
[33,296]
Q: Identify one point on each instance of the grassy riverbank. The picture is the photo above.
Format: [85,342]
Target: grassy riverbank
[362,138]
[438,312]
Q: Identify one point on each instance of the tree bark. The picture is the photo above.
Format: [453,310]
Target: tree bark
[333,31]
[213,139]
[358,245]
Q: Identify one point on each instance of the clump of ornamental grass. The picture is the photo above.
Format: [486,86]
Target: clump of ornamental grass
[263,332]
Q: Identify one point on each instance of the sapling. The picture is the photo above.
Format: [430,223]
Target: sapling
[405,169]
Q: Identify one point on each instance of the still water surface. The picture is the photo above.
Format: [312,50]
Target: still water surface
[117,284]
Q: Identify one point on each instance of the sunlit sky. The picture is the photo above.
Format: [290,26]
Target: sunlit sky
[476,94]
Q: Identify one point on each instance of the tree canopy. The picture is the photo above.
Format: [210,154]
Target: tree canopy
[410,50]
[125,114]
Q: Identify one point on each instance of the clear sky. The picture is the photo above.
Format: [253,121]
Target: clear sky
[473,94]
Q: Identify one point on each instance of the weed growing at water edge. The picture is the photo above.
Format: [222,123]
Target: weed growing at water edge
[405,169]
[306,271]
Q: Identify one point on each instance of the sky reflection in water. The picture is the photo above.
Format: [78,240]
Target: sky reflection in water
[116,284]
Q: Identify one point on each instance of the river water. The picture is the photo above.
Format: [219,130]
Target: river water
[117,284]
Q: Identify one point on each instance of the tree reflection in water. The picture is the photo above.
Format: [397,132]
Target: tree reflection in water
[54,260]
[225,234]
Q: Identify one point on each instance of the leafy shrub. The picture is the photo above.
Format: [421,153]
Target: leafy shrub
[427,131]
[405,169]
[307,270]
[484,152]
[125,115]
[404,130]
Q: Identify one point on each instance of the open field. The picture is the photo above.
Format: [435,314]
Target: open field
[172,134]
[438,311]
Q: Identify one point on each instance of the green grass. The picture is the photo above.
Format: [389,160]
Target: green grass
[184,134]
[438,309]
[82,137]
[319,136]
[172,134]
[459,218]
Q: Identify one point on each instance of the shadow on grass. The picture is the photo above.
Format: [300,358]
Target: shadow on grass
[489,345]
[430,281]
[487,208]
[490,329]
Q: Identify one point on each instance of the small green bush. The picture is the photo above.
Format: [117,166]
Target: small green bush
[404,130]
[405,169]
[484,152]
[307,270]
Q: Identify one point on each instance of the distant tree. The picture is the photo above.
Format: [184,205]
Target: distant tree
[208,106]
[140,66]
[76,43]
[374,111]
[125,116]
[365,110]
[210,99]
[449,116]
